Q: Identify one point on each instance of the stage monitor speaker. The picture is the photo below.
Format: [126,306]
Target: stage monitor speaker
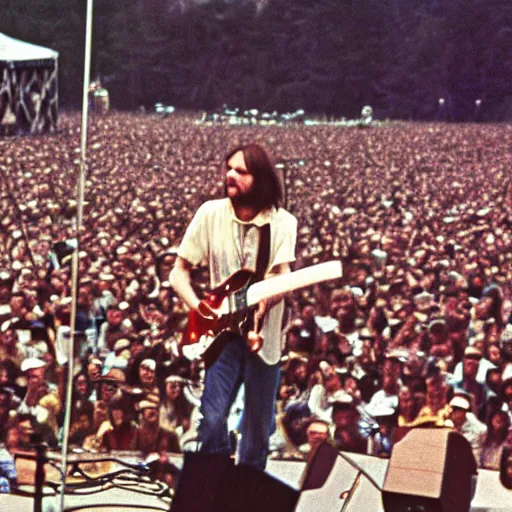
[199,481]
[212,483]
[249,490]
[319,467]
[430,470]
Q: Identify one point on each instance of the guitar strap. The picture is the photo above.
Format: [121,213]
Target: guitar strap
[262,261]
[263,254]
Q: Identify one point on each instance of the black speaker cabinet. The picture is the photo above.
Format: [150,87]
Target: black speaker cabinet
[212,483]
[430,470]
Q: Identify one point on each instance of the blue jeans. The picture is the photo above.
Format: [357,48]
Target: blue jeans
[237,365]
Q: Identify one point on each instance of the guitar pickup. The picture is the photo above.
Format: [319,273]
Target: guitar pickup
[237,301]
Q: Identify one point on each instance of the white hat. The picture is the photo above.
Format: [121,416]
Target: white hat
[32,363]
[121,344]
[174,378]
[507,372]
[149,363]
[147,404]
[460,402]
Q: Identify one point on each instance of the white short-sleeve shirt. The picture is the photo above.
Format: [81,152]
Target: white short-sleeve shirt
[218,239]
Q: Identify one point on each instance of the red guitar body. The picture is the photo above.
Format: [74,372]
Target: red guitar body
[198,325]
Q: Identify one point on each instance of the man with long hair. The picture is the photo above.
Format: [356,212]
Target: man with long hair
[225,234]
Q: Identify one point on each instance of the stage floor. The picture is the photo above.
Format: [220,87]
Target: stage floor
[490,495]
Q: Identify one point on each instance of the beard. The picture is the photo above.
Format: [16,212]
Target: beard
[246,199]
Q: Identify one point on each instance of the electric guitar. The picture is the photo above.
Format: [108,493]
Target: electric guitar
[233,304]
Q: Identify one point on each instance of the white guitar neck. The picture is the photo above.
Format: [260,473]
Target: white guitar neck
[284,283]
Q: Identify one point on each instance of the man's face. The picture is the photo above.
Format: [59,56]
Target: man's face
[8,338]
[81,385]
[108,390]
[301,373]
[239,181]
[458,416]
[17,303]
[147,375]
[114,317]
[93,371]
[406,401]
[150,416]
[345,419]
[470,367]
[4,377]
[507,392]
[84,297]
[5,294]
[173,390]
[35,378]
[317,433]
[117,417]
[494,354]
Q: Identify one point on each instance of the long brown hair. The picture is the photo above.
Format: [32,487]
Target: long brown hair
[268,190]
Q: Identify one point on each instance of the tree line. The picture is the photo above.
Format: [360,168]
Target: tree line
[328,57]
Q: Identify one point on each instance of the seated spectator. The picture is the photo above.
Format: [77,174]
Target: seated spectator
[7,471]
[317,432]
[108,389]
[506,390]
[407,407]
[469,383]
[10,348]
[81,425]
[482,367]
[327,383]
[147,379]
[151,436]
[388,395]
[41,399]
[436,409]
[121,433]
[498,431]
[175,409]
[347,435]
[466,423]
[295,382]
[380,442]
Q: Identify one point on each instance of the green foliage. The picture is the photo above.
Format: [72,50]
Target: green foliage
[327,56]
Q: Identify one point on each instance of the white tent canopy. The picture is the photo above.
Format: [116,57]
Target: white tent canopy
[14,50]
[28,87]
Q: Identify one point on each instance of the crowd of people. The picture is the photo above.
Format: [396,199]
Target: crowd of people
[417,332]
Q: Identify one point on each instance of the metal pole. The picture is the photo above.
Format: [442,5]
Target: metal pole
[74,269]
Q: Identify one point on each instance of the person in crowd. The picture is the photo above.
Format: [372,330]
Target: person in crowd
[41,399]
[327,386]
[121,433]
[108,390]
[380,442]
[407,407]
[388,395]
[469,382]
[466,423]
[317,432]
[347,434]
[175,409]
[147,378]
[8,475]
[498,435]
[151,437]
[436,409]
